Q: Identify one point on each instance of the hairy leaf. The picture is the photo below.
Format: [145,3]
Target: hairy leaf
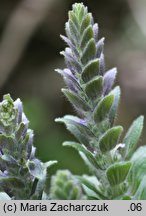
[110,139]
[90,70]
[77,101]
[113,111]
[132,137]
[118,172]
[109,79]
[89,52]
[94,88]
[103,108]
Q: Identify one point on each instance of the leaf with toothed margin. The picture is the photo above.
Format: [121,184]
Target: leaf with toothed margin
[94,88]
[110,139]
[109,79]
[99,47]
[113,111]
[88,34]
[78,128]
[90,70]
[76,101]
[82,148]
[103,108]
[85,23]
[118,172]
[132,137]
[89,51]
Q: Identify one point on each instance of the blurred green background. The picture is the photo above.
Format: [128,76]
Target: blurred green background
[29,53]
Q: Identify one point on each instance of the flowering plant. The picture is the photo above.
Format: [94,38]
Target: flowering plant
[117,167]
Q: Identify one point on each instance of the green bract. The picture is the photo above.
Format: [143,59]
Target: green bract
[89,89]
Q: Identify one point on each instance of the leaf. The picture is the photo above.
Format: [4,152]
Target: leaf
[77,101]
[7,143]
[95,31]
[67,41]
[78,129]
[36,168]
[138,169]
[141,191]
[90,70]
[4,196]
[132,137]
[94,88]
[110,139]
[90,166]
[12,182]
[85,23]
[101,65]
[37,193]
[88,34]
[72,62]
[20,131]
[113,111]
[9,159]
[73,17]
[109,79]
[118,172]
[89,52]
[82,148]
[73,31]
[99,47]
[70,80]
[48,164]
[91,183]
[103,108]
[82,11]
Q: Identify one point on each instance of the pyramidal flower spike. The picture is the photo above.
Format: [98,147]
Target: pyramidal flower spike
[22,175]
[89,88]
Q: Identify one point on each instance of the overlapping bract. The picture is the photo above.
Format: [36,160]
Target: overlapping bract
[90,91]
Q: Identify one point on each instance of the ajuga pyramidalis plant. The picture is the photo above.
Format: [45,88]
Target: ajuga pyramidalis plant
[22,175]
[118,169]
